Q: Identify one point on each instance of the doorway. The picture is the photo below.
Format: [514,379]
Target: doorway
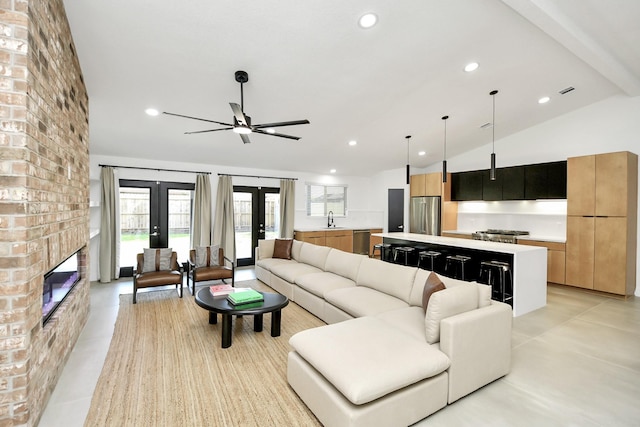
[396,210]
[257,216]
[154,214]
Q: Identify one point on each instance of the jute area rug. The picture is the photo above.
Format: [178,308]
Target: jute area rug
[165,367]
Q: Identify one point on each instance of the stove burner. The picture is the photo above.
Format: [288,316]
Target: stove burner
[503,236]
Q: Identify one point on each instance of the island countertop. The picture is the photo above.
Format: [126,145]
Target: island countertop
[482,245]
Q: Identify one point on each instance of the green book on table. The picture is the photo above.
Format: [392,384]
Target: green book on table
[245,297]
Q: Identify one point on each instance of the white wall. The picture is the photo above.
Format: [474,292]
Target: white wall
[607,126]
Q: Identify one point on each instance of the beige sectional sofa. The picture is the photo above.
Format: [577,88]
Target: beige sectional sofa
[384,359]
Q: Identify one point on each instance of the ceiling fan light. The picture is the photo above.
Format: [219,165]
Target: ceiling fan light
[242,130]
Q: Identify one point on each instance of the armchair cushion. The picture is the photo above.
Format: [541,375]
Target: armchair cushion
[156,259]
[207,256]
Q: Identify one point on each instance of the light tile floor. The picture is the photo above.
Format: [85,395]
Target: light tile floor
[575,362]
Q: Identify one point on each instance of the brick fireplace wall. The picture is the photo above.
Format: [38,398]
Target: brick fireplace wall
[44,200]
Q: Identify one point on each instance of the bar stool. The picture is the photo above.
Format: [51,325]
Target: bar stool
[404,250]
[457,260]
[428,254]
[496,273]
[382,248]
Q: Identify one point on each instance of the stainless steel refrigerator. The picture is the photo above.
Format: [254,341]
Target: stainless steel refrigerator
[424,215]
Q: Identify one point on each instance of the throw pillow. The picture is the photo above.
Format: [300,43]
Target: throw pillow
[207,256]
[433,284]
[156,259]
[282,248]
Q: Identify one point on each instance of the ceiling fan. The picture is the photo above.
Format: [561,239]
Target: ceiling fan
[241,122]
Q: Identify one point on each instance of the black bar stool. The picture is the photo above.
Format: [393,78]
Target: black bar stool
[383,249]
[432,255]
[457,261]
[402,250]
[497,273]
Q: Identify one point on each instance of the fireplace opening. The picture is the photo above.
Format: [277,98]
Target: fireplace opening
[58,282]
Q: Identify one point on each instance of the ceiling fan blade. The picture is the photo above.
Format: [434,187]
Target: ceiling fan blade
[204,131]
[237,112]
[280,124]
[245,138]
[197,118]
[281,135]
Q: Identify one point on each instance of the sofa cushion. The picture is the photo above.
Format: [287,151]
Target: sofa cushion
[409,320]
[265,248]
[269,263]
[362,301]
[447,303]
[291,270]
[366,358]
[391,279]
[282,248]
[433,284]
[320,283]
[344,263]
[295,249]
[314,255]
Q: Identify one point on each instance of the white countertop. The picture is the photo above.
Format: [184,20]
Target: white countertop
[303,229]
[462,243]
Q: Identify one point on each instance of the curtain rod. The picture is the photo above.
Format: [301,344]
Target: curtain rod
[255,176]
[153,169]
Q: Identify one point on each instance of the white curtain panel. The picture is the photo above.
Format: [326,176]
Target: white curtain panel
[109,263]
[287,207]
[224,225]
[202,213]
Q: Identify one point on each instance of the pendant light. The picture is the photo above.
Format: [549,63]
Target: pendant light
[408,172]
[492,171]
[444,155]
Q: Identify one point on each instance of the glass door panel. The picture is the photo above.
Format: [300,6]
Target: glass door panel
[243,213]
[271,215]
[180,202]
[257,216]
[134,223]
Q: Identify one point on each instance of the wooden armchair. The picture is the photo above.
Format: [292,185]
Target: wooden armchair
[195,273]
[147,279]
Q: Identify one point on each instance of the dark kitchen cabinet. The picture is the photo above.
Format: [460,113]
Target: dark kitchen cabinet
[492,190]
[512,183]
[545,181]
[466,186]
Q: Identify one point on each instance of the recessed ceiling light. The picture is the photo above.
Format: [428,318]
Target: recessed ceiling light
[332,171]
[353,142]
[544,100]
[368,20]
[152,111]
[421,153]
[472,66]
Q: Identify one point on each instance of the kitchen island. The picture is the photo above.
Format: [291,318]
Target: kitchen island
[528,263]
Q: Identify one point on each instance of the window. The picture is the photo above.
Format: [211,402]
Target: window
[324,198]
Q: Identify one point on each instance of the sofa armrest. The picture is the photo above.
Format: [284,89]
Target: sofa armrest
[478,343]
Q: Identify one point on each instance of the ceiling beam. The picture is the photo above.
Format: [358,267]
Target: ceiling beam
[548,16]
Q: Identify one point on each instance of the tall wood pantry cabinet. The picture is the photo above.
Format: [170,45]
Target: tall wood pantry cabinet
[602,203]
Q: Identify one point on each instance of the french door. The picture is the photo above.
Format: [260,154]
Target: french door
[154,214]
[257,216]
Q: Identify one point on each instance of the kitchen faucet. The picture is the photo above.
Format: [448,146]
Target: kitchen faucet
[330,219]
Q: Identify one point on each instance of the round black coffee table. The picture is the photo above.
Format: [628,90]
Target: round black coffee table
[272,303]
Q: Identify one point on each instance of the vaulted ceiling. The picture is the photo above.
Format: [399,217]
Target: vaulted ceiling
[311,60]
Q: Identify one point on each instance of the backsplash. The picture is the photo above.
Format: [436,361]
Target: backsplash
[541,218]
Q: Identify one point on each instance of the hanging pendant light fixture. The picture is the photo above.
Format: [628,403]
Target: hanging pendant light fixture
[408,172]
[492,171]
[444,155]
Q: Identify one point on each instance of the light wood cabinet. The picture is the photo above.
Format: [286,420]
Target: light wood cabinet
[555,258]
[315,237]
[417,185]
[602,200]
[457,235]
[339,239]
